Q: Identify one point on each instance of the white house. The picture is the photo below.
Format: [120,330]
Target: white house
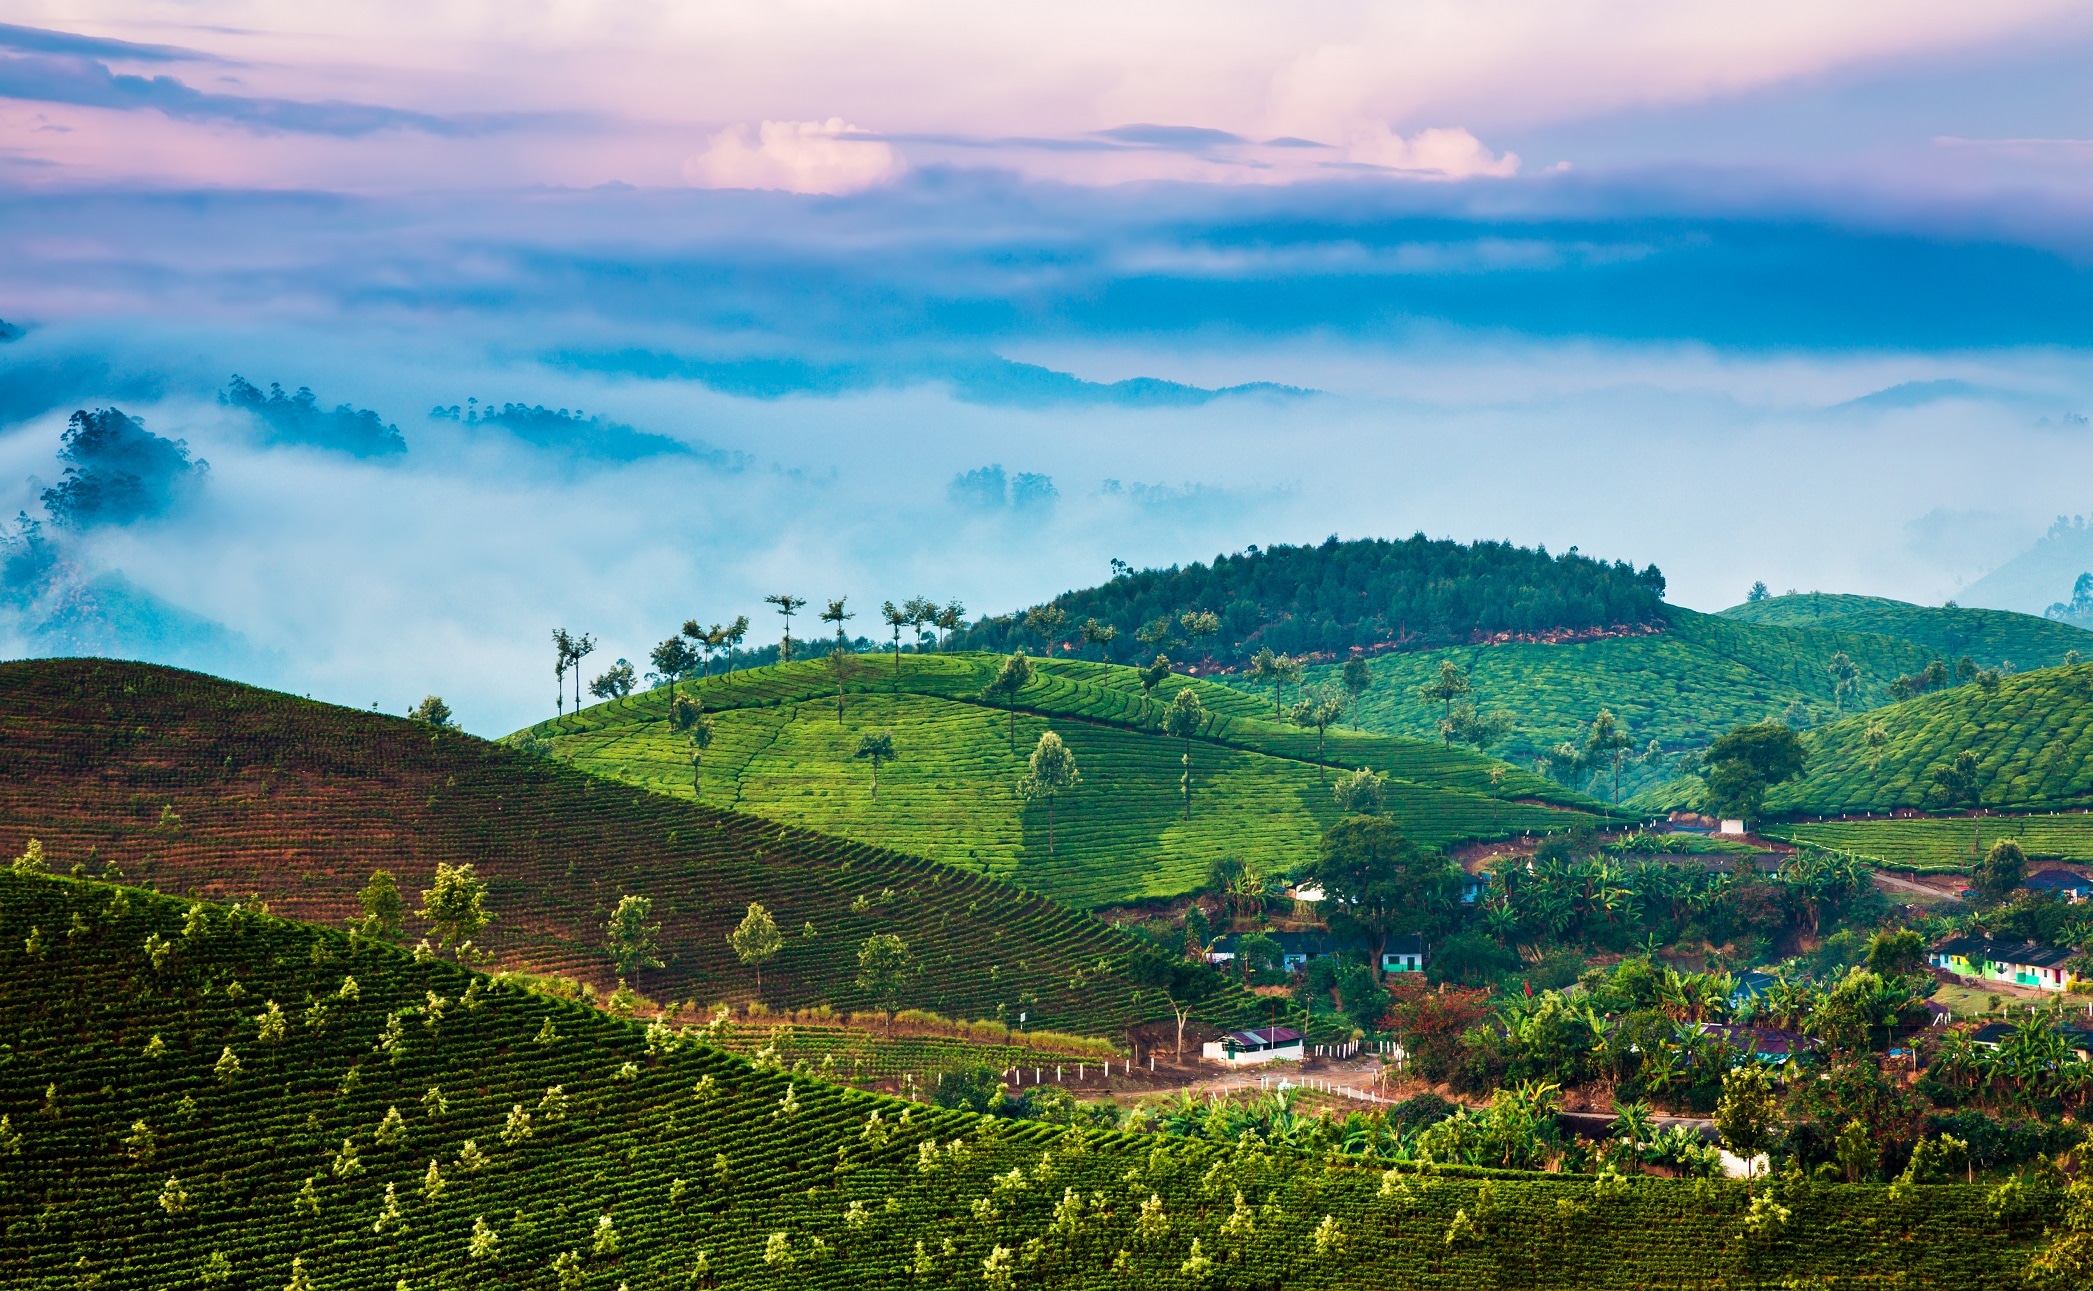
[1404,954]
[1259,1045]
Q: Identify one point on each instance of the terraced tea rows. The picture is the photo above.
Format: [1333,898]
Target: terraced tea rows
[2031,735]
[198,1096]
[1951,843]
[780,751]
[200,784]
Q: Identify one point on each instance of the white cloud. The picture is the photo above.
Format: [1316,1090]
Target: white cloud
[796,156]
[1450,152]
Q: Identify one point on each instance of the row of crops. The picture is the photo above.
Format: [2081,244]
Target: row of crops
[197,1095]
[840,1053]
[1947,844]
[196,783]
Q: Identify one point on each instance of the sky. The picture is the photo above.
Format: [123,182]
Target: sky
[1788,292]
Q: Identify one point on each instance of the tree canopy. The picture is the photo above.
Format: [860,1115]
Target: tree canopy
[1327,598]
[1378,885]
[1746,762]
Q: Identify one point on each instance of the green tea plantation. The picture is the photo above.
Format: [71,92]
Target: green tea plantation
[197,1095]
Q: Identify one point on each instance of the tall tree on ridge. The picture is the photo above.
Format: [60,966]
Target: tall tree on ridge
[897,619]
[584,645]
[1046,622]
[950,619]
[563,647]
[1317,711]
[673,659]
[788,605]
[844,666]
[700,639]
[1264,666]
[920,610]
[836,614]
[700,740]
[1100,635]
[732,635]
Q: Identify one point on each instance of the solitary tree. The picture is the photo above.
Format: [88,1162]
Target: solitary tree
[1378,884]
[384,914]
[875,747]
[788,605]
[1359,793]
[1264,667]
[703,639]
[836,614]
[1845,678]
[731,636]
[1153,675]
[1199,625]
[673,659]
[617,681]
[1046,622]
[885,971]
[1743,764]
[1180,983]
[1050,773]
[844,666]
[584,646]
[2003,869]
[1450,685]
[1958,783]
[897,619]
[1608,743]
[1747,1116]
[1157,634]
[563,649]
[455,906]
[756,941]
[434,712]
[1015,674]
[1317,711]
[631,939]
[1101,635]
[1184,719]
[1358,675]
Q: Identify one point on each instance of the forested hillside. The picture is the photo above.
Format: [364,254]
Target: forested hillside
[1261,791]
[1370,594]
[197,1095]
[197,784]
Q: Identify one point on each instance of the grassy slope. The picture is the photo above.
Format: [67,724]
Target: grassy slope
[1989,637]
[2032,733]
[301,801]
[779,751]
[1682,687]
[766,1160]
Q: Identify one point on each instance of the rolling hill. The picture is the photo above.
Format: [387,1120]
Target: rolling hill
[1988,637]
[205,786]
[781,751]
[196,1095]
[1681,687]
